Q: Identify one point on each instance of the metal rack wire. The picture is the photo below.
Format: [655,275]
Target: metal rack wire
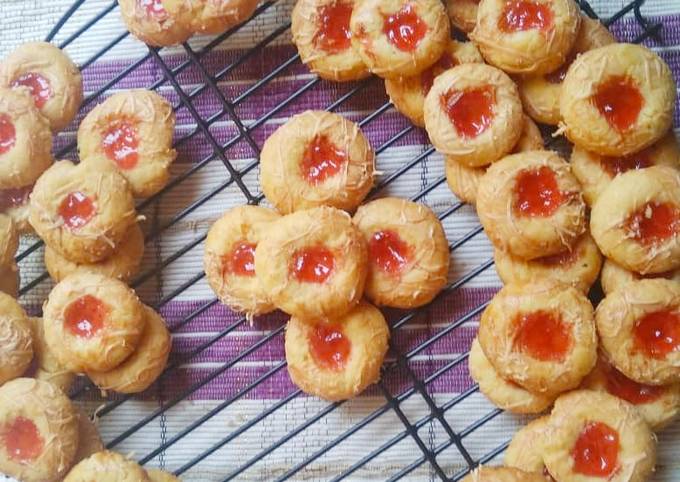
[400,359]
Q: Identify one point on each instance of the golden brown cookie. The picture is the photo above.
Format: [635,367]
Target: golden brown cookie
[614,276]
[316,158]
[82,211]
[338,359]
[49,76]
[92,322]
[151,23]
[408,254]
[16,340]
[617,99]
[526,447]
[133,129]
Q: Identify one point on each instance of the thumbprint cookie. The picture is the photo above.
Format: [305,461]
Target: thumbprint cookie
[313,263]
[229,258]
[123,264]
[526,36]
[541,93]
[614,276]
[541,337]
[463,14]
[502,474]
[464,181]
[315,159]
[639,328]
[577,266]
[323,38]
[659,405]
[408,254]
[635,221]
[45,365]
[50,78]
[150,22]
[526,447]
[107,466]
[38,431]
[133,129]
[617,99]
[157,475]
[473,114]
[530,205]
[25,141]
[16,340]
[338,359]
[595,172]
[92,323]
[596,436]
[408,93]
[502,393]
[209,16]
[398,38]
[82,211]
[145,365]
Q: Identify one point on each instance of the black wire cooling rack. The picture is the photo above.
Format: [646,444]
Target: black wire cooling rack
[170,76]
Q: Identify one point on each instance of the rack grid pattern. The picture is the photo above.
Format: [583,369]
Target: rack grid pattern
[193,58]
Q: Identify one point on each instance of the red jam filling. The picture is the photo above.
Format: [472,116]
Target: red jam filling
[618,165]
[39,86]
[619,100]
[565,258]
[329,347]
[623,387]
[520,15]
[13,197]
[405,29]
[322,159]
[154,8]
[312,265]
[241,261]
[120,144]
[653,223]
[470,111]
[557,76]
[22,440]
[76,210]
[537,193]
[596,451]
[333,34]
[85,316]
[388,251]
[8,134]
[542,335]
[657,334]
[445,62]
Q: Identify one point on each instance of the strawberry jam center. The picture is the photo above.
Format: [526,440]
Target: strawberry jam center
[427,77]
[619,100]
[312,265]
[333,34]
[38,85]
[596,450]
[520,15]
[76,210]
[85,316]
[405,29]
[470,111]
[8,134]
[329,347]
[388,251]
[537,193]
[241,261]
[657,334]
[542,335]
[22,440]
[13,197]
[623,387]
[653,223]
[120,143]
[618,165]
[322,159]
